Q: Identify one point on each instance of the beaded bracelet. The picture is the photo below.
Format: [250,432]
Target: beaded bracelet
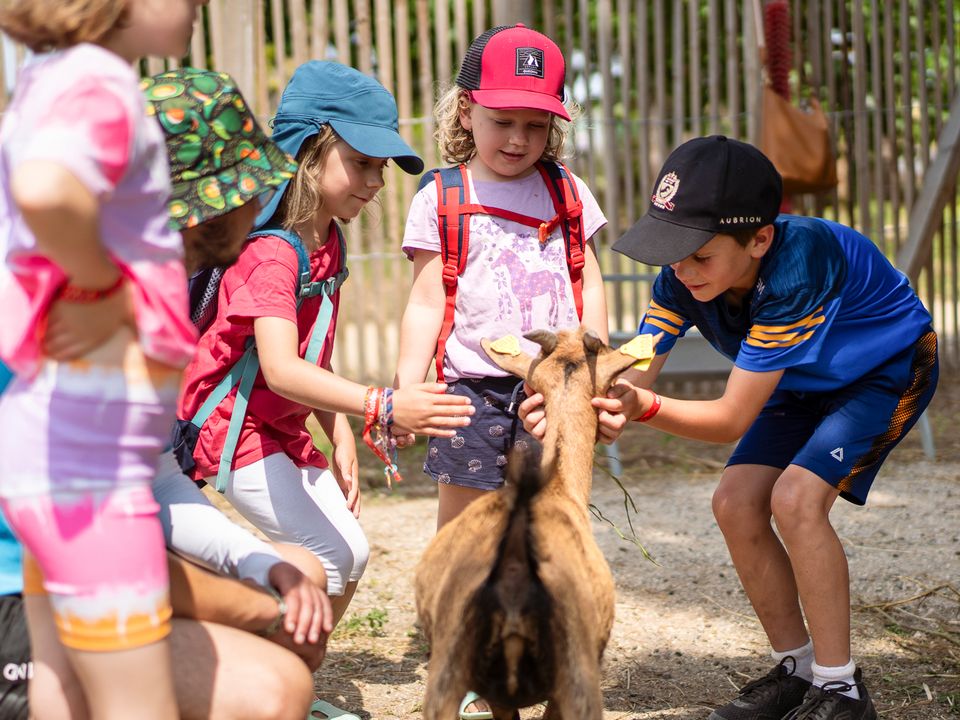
[74,294]
[377,422]
[652,410]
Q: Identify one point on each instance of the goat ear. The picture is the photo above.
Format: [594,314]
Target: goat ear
[610,363]
[518,364]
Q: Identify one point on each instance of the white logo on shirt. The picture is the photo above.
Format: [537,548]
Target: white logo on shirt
[837,454]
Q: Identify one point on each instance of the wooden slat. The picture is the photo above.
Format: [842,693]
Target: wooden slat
[906,104]
[642,72]
[341,30]
[198,42]
[733,67]
[920,49]
[319,29]
[713,65]
[693,52]
[364,32]
[278,35]
[586,46]
[259,94]
[660,143]
[677,64]
[461,31]
[889,105]
[926,214]
[297,14]
[425,66]
[446,66]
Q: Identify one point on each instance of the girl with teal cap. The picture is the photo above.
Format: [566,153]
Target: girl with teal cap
[342,128]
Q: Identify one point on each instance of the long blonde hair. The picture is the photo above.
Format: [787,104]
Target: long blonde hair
[302,196]
[456,143]
[44,25]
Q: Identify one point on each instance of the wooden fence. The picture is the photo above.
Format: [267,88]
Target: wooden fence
[648,74]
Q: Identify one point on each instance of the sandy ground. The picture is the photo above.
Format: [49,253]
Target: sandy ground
[685,635]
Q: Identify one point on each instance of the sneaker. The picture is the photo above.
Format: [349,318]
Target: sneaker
[768,698]
[829,703]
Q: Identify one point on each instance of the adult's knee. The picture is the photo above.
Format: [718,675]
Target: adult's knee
[287,690]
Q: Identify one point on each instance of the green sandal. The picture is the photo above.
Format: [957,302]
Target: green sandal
[330,711]
[471,697]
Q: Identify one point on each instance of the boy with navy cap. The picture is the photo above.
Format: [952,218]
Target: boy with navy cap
[834,361]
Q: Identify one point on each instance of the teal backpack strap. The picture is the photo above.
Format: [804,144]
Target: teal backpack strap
[244,371]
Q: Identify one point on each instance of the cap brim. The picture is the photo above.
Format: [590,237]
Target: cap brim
[267,169]
[525,99]
[379,142]
[655,241]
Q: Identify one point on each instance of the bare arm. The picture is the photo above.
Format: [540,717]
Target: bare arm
[722,420]
[422,318]
[594,298]
[420,408]
[64,217]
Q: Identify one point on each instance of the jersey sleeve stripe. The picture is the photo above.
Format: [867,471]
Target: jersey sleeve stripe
[779,343]
[656,322]
[667,315]
[814,318]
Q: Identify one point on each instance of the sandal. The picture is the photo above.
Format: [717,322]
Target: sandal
[472,697]
[330,711]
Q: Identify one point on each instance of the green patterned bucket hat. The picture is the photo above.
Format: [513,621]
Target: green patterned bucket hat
[219,156]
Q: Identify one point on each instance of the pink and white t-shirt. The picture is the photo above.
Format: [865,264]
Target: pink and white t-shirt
[82,109]
[511,284]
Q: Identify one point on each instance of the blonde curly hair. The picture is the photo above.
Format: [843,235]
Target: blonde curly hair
[44,25]
[456,143]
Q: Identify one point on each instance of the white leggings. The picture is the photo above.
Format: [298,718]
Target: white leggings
[302,506]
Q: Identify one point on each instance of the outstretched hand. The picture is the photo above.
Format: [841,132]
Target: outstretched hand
[309,619]
[427,408]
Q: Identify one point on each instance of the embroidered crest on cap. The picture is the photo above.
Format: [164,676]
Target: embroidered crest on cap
[667,188]
[530,62]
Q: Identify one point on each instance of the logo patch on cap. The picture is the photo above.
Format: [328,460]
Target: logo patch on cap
[530,62]
[667,188]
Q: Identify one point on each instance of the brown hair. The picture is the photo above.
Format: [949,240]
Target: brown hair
[743,236]
[44,25]
[302,196]
[456,143]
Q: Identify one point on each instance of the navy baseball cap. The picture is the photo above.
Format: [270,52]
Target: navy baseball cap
[708,185]
[358,108]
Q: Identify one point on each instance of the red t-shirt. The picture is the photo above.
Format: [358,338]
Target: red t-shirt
[262,283]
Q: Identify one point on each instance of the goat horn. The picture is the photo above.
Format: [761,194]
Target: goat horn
[544,338]
[592,341]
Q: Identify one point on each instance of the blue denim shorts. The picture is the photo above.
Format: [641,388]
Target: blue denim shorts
[845,435]
[476,456]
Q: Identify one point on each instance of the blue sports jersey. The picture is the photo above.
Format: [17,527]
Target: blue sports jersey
[827,308]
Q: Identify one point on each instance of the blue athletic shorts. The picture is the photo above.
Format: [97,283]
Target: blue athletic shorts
[845,435]
[476,456]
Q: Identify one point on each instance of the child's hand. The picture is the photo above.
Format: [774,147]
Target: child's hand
[309,618]
[620,404]
[404,439]
[427,408]
[345,470]
[74,329]
[532,414]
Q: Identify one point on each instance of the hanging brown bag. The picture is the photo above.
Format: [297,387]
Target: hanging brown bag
[798,143]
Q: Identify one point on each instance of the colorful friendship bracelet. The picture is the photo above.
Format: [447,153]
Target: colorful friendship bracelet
[377,422]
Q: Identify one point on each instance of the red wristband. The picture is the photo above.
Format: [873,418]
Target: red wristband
[74,294]
[652,410]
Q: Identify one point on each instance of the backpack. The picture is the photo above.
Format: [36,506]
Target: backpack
[454,208]
[242,374]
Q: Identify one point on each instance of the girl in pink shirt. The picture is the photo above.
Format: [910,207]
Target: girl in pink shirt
[84,241]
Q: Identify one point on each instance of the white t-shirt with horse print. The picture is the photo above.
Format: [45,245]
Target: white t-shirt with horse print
[511,284]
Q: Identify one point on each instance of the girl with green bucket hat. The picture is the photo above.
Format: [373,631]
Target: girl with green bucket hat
[341,126]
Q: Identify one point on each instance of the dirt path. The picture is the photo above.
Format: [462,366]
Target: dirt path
[685,635]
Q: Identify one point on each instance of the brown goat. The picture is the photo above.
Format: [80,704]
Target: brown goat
[514,595]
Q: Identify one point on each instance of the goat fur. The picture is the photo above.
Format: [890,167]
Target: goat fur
[514,596]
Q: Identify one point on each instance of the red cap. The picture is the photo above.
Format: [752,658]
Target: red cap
[515,67]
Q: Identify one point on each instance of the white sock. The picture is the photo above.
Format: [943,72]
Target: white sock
[844,673]
[802,658]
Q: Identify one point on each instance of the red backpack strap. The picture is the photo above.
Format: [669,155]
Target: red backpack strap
[454,226]
[566,201]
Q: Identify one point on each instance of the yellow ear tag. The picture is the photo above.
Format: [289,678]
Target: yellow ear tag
[641,348]
[507,345]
